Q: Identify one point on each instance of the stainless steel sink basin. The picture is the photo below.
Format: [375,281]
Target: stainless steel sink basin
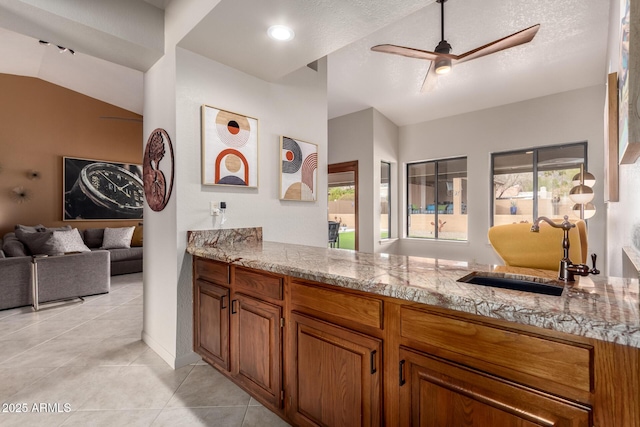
[498,280]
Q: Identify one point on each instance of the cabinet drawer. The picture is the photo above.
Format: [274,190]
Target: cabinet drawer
[212,271]
[258,283]
[494,349]
[366,311]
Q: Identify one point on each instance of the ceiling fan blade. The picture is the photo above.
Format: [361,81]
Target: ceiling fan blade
[410,52]
[430,80]
[515,39]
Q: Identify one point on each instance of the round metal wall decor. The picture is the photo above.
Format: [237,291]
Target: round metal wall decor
[156,190]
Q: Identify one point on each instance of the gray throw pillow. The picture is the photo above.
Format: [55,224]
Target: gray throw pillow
[40,243]
[63,228]
[117,238]
[13,247]
[93,237]
[30,228]
[70,241]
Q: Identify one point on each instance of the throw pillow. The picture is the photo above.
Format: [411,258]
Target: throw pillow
[30,228]
[70,240]
[13,247]
[63,228]
[40,243]
[136,240]
[117,238]
[93,237]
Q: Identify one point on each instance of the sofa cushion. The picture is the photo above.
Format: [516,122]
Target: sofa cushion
[136,240]
[13,247]
[116,238]
[70,240]
[40,243]
[93,237]
[125,254]
[30,228]
[63,228]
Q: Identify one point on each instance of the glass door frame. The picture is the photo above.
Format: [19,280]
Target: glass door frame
[349,167]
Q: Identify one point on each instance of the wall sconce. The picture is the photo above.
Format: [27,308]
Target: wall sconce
[582,194]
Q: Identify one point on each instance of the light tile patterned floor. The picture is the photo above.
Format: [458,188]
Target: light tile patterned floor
[84,364]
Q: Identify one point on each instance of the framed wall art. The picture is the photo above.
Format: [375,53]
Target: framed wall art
[628,85]
[101,190]
[157,177]
[298,170]
[229,148]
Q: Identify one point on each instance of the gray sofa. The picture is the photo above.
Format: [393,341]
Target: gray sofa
[61,276]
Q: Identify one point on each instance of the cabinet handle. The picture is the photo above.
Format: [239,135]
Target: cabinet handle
[222,306]
[372,360]
[402,381]
[233,306]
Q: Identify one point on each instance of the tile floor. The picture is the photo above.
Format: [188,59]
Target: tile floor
[84,364]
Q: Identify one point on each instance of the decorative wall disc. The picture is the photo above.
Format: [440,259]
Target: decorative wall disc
[156,190]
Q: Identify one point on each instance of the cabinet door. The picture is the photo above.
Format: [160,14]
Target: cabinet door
[335,375]
[211,322]
[436,393]
[257,346]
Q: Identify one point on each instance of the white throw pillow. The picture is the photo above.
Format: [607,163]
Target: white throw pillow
[70,241]
[116,238]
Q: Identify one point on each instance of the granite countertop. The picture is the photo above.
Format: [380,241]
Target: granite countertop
[595,307]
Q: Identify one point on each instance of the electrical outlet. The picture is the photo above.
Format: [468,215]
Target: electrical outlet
[214,209]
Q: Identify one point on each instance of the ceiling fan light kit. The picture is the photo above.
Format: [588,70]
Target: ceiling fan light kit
[442,58]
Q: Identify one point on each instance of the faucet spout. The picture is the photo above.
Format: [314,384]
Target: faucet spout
[564,273]
[565,224]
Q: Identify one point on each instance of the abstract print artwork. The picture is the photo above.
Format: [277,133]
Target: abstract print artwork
[229,148]
[298,170]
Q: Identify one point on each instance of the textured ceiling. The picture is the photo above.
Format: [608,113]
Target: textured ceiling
[118,40]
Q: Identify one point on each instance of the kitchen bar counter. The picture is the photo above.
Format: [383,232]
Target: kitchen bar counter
[597,307]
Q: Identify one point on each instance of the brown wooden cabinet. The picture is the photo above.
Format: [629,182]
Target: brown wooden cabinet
[238,321]
[335,377]
[211,322]
[357,359]
[257,346]
[437,393]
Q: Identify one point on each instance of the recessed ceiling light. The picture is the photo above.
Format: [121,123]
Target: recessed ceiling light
[280,32]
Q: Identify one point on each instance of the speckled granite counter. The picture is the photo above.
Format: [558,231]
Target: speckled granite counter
[596,307]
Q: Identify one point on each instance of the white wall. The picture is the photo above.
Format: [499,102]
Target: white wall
[385,148]
[350,139]
[556,119]
[295,107]
[160,272]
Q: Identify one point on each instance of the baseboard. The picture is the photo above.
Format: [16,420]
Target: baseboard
[187,359]
[171,359]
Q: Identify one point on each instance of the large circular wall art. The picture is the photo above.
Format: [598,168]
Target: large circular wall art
[158,179]
[229,148]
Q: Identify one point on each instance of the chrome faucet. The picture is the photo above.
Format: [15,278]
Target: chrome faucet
[567,269]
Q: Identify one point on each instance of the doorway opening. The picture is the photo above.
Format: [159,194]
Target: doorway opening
[343,203]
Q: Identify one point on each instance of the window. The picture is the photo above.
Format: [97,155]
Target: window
[385,200]
[437,199]
[536,182]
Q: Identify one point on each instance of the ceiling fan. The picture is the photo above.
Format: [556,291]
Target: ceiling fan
[442,59]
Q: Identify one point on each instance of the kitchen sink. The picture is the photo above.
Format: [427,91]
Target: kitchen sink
[498,280]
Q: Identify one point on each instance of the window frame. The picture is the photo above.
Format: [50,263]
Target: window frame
[389,234]
[407,207]
[534,171]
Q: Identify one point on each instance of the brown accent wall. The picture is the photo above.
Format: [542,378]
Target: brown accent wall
[40,123]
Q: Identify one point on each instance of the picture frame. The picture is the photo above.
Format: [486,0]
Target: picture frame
[628,86]
[101,190]
[229,148]
[298,170]
[611,193]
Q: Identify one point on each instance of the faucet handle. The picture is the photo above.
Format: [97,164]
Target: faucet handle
[594,270]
